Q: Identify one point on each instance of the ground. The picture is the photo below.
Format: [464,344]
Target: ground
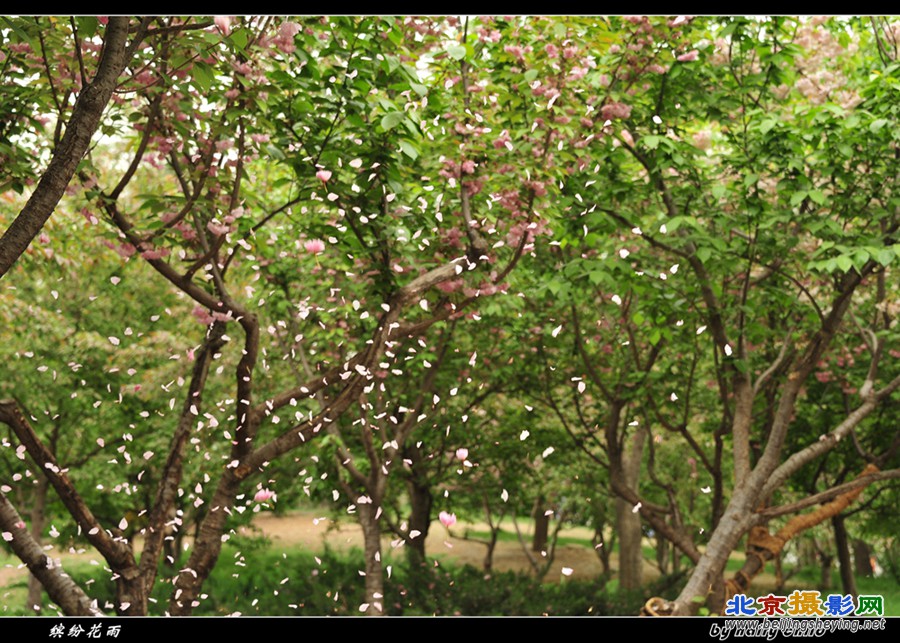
[312,530]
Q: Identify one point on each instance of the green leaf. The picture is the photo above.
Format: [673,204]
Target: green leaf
[877,124]
[844,263]
[530,75]
[652,142]
[797,197]
[203,75]
[818,196]
[420,89]
[239,38]
[409,150]
[391,120]
[767,125]
[456,52]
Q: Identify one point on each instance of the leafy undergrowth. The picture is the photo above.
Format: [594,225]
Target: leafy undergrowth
[301,583]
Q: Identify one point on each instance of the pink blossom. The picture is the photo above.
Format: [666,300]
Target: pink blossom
[611,111]
[202,315]
[102,19]
[468,167]
[155,253]
[323,175]
[223,23]
[703,139]
[462,453]
[689,56]
[264,495]
[447,519]
[20,524]
[218,229]
[314,246]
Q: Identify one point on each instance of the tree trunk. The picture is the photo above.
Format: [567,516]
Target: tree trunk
[825,563]
[862,556]
[541,526]
[842,544]
[779,573]
[662,554]
[421,503]
[62,589]
[33,602]
[491,545]
[628,521]
[374,597]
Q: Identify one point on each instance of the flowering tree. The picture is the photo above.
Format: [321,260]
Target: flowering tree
[273,174]
[738,234]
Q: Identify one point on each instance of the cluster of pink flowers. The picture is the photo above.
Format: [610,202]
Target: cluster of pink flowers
[612,111]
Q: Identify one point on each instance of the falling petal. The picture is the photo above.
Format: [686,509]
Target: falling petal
[636,508]
[504,495]
[524,434]
[567,571]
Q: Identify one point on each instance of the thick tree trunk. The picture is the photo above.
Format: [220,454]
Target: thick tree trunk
[842,544]
[374,598]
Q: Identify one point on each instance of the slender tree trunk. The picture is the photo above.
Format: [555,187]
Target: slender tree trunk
[541,526]
[662,554]
[842,544]
[826,560]
[628,521]
[779,573]
[38,514]
[421,502]
[371,528]
[491,546]
[862,556]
